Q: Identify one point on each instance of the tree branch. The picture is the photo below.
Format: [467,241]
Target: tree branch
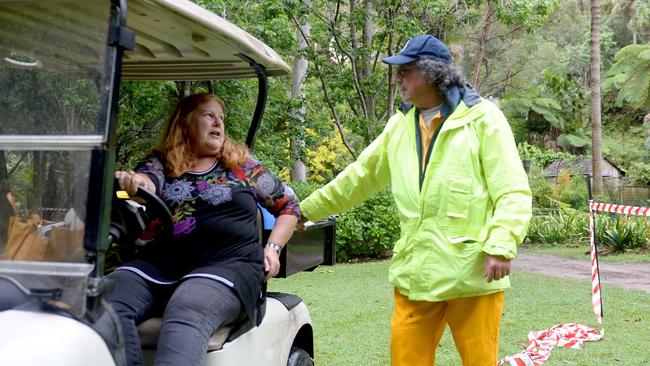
[330,105]
[336,36]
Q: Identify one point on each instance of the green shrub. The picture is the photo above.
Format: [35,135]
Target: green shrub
[639,171]
[540,188]
[568,188]
[574,193]
[622,233]
[544,157]
[615,233]
[367,231]
[303,190]
[557,228]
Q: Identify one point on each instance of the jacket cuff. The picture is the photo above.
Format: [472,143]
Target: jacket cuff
[309,209]
[505,250]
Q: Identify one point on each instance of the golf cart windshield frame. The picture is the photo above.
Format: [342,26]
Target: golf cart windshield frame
[99,142]
[103,161]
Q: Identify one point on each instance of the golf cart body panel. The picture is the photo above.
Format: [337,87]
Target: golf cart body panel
[275,353]
[288,323]
[38,338]
[61,62]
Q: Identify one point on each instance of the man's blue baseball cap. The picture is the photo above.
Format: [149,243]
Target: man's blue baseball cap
[425,46]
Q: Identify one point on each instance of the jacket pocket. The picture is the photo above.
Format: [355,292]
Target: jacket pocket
[461,239]
[459,195]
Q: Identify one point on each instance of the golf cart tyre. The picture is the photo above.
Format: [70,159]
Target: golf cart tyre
[299,357]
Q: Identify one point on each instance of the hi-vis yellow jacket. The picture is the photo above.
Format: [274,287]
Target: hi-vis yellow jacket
[474,199]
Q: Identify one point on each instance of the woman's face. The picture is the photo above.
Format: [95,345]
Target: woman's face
[206,129]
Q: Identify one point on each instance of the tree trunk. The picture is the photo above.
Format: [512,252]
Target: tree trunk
[183,89]
[367,70]
[631,24]
[595,98]
[298,170]
[390,97]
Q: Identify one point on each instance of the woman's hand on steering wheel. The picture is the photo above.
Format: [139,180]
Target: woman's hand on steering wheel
[141,216]
[130,181]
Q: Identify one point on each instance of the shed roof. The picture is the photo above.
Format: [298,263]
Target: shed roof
[583,165]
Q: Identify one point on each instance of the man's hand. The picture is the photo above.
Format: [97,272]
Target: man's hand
[496,267]
[301,223]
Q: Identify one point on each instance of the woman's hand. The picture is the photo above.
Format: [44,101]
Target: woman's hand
[130,181]
[271,263]
[284,226]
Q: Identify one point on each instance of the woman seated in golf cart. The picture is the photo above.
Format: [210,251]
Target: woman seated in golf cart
[211,271]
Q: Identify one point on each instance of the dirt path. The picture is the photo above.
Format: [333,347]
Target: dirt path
[633,276]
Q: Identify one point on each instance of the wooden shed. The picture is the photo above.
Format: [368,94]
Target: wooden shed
[611,173]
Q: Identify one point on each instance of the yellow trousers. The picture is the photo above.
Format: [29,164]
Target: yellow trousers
[417,326]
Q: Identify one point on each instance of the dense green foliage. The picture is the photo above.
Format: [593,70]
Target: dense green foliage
[631,76]
[366,231]
[530,56]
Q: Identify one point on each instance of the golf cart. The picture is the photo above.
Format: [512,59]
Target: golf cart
[61,62]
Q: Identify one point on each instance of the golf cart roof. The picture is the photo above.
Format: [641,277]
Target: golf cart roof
[174,40]
[179,40]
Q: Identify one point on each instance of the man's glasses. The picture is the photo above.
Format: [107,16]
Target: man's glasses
[403,70]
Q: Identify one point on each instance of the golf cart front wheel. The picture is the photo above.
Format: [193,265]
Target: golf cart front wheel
[299,357]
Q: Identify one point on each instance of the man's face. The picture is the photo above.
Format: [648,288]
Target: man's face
[415,89]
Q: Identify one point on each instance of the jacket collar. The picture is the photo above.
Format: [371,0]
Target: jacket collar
[454,95]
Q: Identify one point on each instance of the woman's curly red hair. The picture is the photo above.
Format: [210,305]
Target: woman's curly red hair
[174,147]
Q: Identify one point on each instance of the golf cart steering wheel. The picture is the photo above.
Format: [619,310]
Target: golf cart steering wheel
[140,218]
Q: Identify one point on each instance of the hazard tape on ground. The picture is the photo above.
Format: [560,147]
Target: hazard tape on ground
[540,344]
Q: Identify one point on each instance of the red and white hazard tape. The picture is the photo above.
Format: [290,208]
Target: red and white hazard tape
[573,335]
[596,297]
[619,209]
[540,344]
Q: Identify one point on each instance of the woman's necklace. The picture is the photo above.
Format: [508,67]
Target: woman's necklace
[204,164]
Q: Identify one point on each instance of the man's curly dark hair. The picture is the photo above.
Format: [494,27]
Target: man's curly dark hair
[442,75]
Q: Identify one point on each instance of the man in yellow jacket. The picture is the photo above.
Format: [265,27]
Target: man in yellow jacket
[464,205]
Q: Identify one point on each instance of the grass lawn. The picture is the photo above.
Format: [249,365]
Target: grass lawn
[350,305]
[582,252]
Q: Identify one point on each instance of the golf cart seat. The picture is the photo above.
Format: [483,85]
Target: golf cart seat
[149,330]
